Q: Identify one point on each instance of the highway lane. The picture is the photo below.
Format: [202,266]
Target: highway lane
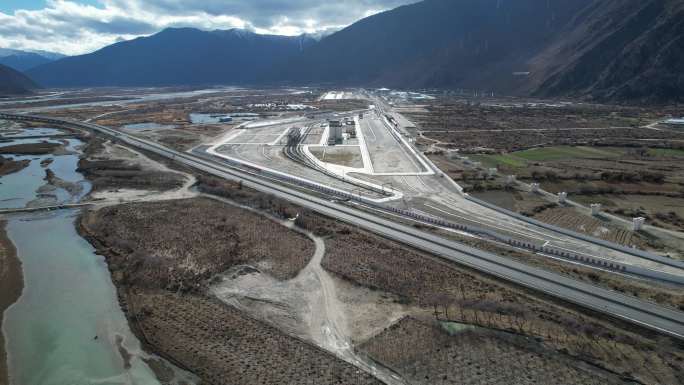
[649,315]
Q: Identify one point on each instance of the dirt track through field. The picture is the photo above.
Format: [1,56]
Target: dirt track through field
[306,306]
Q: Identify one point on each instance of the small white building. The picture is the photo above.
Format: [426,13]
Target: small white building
[562,197]
[535,187]
[638,223]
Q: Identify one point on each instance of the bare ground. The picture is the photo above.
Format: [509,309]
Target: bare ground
[307,306]
[11,286]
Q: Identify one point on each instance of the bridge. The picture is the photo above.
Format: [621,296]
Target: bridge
[44,208]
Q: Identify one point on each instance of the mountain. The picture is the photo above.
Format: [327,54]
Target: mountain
[175,56]
[439,44]
[617,50]
[604,50]
[13,82]
[25,60]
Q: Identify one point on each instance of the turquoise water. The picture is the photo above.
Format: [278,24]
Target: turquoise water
[207,118]
[64,328]
[18,189]
[68,300]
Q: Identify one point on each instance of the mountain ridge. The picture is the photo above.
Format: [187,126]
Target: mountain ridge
[607,50]
[26,60]
[174,56]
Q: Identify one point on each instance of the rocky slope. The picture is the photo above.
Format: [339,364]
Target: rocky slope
[617,50]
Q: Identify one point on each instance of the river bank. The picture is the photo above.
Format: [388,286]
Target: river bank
[11,286]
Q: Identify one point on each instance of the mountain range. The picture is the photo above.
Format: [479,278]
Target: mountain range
[606,50]
[175,56]
[13,82]
[26,60]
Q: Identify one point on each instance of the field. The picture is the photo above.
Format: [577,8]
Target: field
[426,353]
[223,346]
[163,256]
[569,218]
[470,298]
[222,237]
[475,127]
[629,182]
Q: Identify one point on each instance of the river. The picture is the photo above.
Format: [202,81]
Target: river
[67,327]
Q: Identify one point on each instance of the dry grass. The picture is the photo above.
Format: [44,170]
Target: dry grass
[163,256]
[425,353]
[179,244]
[223,346]
[468,127]
[463,295]
[469,297]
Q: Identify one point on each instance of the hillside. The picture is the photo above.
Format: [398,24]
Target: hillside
[13,82]
[618,50]
[174,57]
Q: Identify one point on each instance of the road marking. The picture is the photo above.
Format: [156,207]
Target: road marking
[403,178]
[263,151]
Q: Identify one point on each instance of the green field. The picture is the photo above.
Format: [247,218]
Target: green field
[495,160]
[666,152]
[520,159]
[557,153]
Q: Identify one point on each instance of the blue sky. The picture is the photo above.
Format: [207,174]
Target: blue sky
[75,27]
[9,6]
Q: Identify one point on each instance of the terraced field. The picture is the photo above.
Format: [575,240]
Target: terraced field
[570,219]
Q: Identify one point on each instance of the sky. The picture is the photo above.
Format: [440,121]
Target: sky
[75,27]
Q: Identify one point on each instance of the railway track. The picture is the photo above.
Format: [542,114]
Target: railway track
[294,152]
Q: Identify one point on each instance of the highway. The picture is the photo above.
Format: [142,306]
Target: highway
[635,311]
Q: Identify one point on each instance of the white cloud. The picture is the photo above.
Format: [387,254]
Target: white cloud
[69,27]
